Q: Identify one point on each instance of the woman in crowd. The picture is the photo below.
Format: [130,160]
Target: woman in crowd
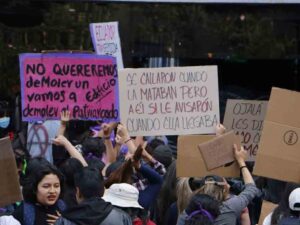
[42,187]
[202,210]
[217,187]
[125,197]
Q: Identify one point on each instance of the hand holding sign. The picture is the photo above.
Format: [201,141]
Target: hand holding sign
[240,154]
[220,129]
[122,133]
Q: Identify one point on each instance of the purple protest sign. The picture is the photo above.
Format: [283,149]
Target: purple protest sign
[84,84]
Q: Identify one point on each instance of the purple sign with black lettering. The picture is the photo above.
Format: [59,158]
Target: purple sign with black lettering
[84,84]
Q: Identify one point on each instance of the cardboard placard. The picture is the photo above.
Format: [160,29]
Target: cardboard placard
[246,118]
[279,153]
[169,101]
[10,191]
[190,162]
[219,151]
[106,40]
[84,84]
[266,209]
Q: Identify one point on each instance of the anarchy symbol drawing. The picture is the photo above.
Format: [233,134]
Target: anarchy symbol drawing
[38,135]
[290,137]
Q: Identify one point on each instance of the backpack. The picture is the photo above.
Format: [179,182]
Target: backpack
[289,221]
[29,211]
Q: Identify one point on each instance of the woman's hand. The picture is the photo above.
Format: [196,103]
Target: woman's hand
[64,117]
[220,129]
[60,140]
[52,218]
[122,133]
[240,155]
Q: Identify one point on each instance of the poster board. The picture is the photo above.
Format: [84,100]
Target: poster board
[10,191]
[279,153]
[169,100]
[190,162]
[219,151]
[106,40]
[246,118]
[84,84]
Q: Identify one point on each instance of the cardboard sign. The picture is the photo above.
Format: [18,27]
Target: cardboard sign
[279,148]
[266,209]
[219,151]
[246,118]
[84,84]
[106,40]
[190,162]
[10,191]
[169,101]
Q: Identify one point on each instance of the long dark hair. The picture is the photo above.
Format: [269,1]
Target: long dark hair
[36,171]
[136,213]
[283,210]
[167,194]
[202,210]
[123,174]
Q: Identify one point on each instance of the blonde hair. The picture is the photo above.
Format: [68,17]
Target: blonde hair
[211,189]
[184,193]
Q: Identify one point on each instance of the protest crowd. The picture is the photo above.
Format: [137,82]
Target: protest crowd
[109,177]
[143,146]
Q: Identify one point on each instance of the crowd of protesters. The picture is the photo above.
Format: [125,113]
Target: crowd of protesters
[110,178]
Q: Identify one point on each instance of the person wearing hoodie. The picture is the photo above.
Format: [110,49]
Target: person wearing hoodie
[91,208]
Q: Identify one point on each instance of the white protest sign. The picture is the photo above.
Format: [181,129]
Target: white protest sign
[246,118]
[170,100]
[106,40]
[40,136]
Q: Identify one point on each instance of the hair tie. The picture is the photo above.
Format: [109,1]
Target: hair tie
[202,212]
[90,156]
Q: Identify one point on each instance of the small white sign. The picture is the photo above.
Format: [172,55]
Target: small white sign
[106,40]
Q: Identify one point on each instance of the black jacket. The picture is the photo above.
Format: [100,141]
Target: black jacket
[94,212]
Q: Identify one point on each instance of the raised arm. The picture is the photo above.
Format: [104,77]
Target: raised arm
[241,156]
[64,119]
[122,134]
[63,141]
[111,153]
[238,203]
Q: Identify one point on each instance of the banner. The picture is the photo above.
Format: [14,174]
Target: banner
[106,40]
[84,84]
[246,118]
[169,101]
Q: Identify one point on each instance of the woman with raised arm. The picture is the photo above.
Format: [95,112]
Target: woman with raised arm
[231,207]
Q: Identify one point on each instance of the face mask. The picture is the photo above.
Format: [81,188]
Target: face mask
[4,122]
